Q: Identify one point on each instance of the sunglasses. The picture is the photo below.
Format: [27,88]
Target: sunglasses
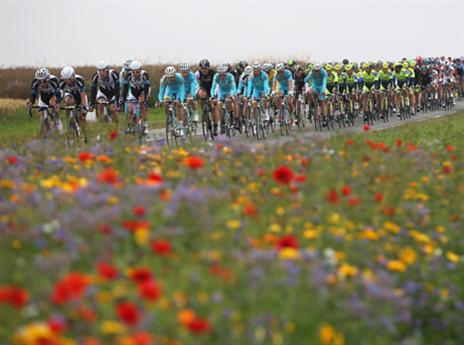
[44,81]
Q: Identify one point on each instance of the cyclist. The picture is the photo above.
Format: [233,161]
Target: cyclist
[107,82]
[401,76]
[47,88]
[204,76]
[318,88]
[241,91]
[137,90]
[284,82]
[238,71]
[299,84]
[386,82]
[369,79]
[191,88]
[73,89]
[223,90]
[258,88]
[125,71]
[348,86]
[172,88]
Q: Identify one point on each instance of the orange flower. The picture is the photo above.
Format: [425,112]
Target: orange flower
[109,176]
[194,162]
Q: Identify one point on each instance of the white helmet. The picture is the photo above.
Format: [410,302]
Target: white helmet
[135,65]
[42,74]
[222,68]
[184,66]
[102,65]
[170,71]
[267,67]
[280,67]
[317,66]
[248,70]
[126,64]
[256,65]
[67,72]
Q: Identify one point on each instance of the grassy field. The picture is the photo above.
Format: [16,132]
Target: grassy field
[352,240]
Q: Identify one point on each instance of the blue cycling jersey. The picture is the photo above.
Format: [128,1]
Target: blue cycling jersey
[191,84]
[318,79]
[258,84]
[282,79]
[175,86]
[226,84]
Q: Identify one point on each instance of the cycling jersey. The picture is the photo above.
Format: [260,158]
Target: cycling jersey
[75,89]
[332,81]
[299,82]
[108,88]
[135,87]
[401,77]
[318,80]
[190,84]
[283,79]
[271,75]
[369,79]
[242,82]
[205,80]
[226,86]
[258,84]
[45,91]
[385,78]
[174,89]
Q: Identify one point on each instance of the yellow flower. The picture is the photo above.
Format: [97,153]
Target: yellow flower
[453,257]
[347,270]
[370,234]
[392,227]
[396,266]
[142,236]
[280,211]
[289,254]
[408,256]
[7,184]
[112,327]
[334,218]
[274,227]
[233,224]
[329,336]
[310,234]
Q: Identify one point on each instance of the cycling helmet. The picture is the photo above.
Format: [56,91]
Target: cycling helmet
[280,67]
[42,74]
[348,67]
[222,68]
[204,63]
[229,67]
[248,70]
[405,64]
[298,68]
[346,61]
[126,64]
[184,66]
[317,66]
[256,65]
[67,72]
[102,65]
[338,67]
[170,71]
[385,65]
[290,63]
[242,64]
[419,59]
[328,67]
[397,64]
[267,67]
[412,64]
[135,65]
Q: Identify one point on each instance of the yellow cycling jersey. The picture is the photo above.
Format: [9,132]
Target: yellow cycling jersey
[271,76]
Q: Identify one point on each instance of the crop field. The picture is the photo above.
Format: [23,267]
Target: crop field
[355,239]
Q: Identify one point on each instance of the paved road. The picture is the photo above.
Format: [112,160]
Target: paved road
[159,134]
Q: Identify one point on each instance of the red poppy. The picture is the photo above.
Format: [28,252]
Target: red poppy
[332,197]
[161,247]
[70,287]
[300,178]
[346,190]
[378,197]
[113,134]
[447,168]
[287,241]
[194,162]
[85,156]
[12,160]
[132,225]
[105,229]
[349,142]
[261,172]
[450,148]
[150,290]
[56,325]
[389,211]
[398,143]
[305,161]
[140,275]
[353,201]
[107,271]
[14,296]
[142,338]
[283,175]
[250,210]
[128,313]
[138,211]
[109,176]
[199,325]
[411,147]
[366,127]
[155,178]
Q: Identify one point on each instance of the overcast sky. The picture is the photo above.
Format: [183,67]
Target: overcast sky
[57,33]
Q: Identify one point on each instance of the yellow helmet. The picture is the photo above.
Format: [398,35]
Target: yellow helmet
[338,67]
[412,64]
[366,65]
[405,64]
[385,65]
[328,67]
[348,67]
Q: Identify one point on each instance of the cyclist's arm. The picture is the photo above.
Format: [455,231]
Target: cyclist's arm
[181,83]
[213,87]
[233,91]
[93,89]
[162,89]
[34,87]
[266,85]
[147,86]
[249,87]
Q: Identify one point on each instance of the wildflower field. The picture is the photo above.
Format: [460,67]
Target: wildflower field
[353,240]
